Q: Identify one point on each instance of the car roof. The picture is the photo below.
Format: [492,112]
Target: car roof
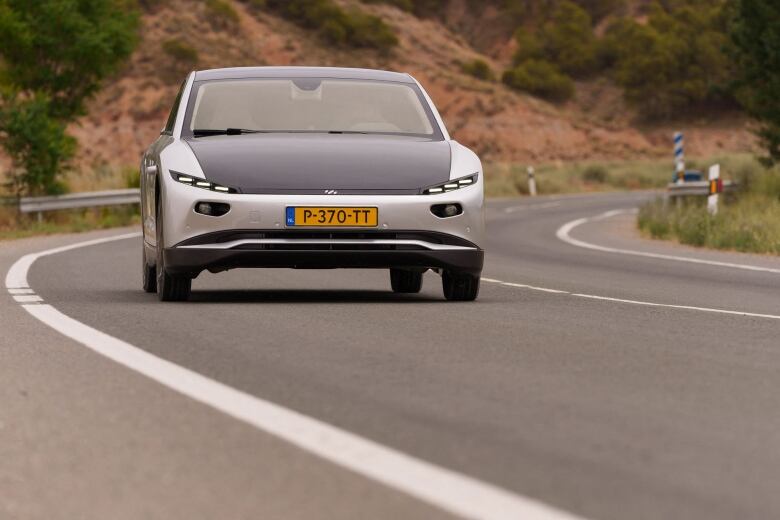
[302,72]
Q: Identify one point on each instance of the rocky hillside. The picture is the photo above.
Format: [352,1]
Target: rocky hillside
[501,124]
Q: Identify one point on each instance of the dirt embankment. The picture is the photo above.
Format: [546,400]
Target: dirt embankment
[500,124]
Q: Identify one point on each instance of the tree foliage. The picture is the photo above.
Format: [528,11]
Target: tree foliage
[756,35]
[37,144]
[336,25]
[54,55]
[565,40]
[63,48]
[676,62]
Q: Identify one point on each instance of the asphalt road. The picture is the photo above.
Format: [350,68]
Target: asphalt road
[646,404]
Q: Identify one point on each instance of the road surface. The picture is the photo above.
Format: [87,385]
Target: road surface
[598,374]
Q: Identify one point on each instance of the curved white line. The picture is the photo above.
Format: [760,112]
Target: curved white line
[564,234]
[440,487]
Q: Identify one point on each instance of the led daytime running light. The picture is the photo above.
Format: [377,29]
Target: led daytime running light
[200,183]
[451,185]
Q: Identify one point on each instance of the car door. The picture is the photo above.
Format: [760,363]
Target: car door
[151,168]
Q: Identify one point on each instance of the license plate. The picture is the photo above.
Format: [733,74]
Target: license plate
[332,217]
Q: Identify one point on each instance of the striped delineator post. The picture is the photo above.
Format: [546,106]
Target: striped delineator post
[716,186]
[531,182]
[679,156]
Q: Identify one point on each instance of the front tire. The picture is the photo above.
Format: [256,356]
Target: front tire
[149,274]
[405,281]
[170,288]
[460,287]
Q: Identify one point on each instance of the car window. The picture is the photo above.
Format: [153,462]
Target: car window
[311,105]
[174,111]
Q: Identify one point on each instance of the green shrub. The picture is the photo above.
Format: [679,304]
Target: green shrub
[569,41]
[336,25]
[529,47]
[595,174]
[37,144]
[479,69]
[181,51]
[221,14]
[673,64]
[540,78]
[565,40]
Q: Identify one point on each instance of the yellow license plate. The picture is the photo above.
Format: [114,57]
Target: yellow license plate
[332,217]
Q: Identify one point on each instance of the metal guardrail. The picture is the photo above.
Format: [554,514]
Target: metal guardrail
[686,189]
[80,200]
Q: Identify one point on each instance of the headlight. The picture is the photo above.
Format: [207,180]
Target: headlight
[201,183]
[455,184]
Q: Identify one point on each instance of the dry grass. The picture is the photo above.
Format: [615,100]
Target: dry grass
[13,225]
[511,179]
[748,221]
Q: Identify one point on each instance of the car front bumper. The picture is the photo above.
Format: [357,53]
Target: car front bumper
[193,261]
[254,232]
[268,212]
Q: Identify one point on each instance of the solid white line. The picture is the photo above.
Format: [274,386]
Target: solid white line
[440,487]
[564,234]
[671,306]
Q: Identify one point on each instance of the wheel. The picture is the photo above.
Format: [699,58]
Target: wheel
[460,287]
[170,288]
[405,281]
[149,274]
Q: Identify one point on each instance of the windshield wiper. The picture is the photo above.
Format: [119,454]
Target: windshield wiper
[203,132]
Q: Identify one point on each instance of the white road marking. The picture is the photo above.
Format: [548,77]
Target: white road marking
[440,487]
[534,288]
[21,291]
[28,298]
[564,234]
[633,302]
[671,306]
[16,278]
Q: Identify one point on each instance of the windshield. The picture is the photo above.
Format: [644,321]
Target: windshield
[309,105]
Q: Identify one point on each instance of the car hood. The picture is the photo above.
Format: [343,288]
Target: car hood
[303,163]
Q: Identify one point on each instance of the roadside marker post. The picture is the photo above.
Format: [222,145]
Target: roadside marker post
[716,186]
[679,156]
[531,182]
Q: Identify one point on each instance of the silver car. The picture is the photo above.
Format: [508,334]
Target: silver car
[309,168]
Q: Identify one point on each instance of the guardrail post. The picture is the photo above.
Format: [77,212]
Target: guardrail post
[531,182]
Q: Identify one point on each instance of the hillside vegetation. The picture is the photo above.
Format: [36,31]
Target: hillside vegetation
[520,81]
